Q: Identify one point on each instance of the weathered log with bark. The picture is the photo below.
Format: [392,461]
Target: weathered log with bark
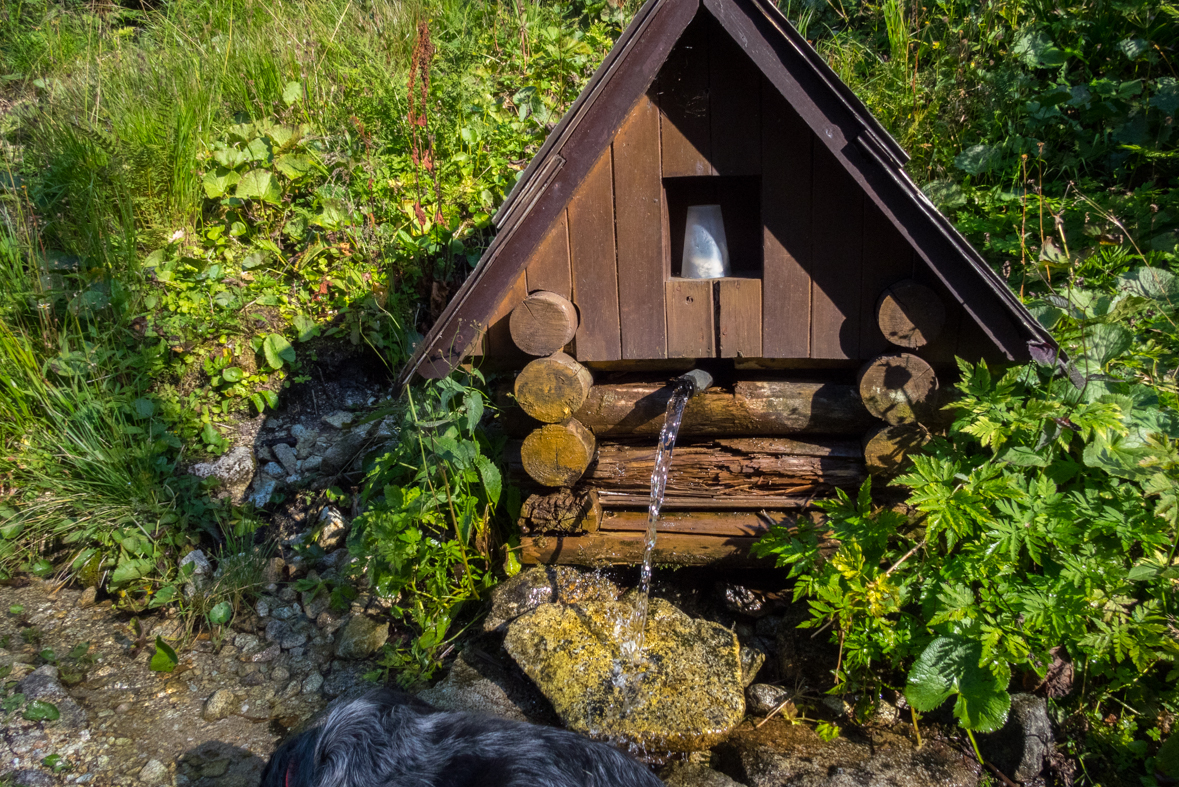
[543,323]
[899,389]
[734,473]
[551,389]
[563,511]
[557,454]
[749,408]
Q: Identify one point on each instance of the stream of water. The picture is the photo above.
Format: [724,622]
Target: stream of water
[632,641]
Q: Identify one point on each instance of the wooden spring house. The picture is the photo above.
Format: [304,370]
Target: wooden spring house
[847,299]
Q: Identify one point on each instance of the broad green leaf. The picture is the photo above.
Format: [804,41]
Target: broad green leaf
[16,609]
[1106,341]
[258,184]
[131,570]
[144,408]
[164,659]
[217,184]
[232,374]
[306,327]
[277,351]
[474,406]
[946,195]
[490,476]
[1023,457]
[281,135]
[1153,283]
[949,666]
[230,157]
[977,159]
[294,165]
[259,149]
[221,614]
[164,596]
[12,702]
[39,710]
[258,402]
[1037,50]
[292,92]
[271,398]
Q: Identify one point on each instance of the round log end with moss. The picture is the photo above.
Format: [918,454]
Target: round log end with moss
[558,454]
[551,389]
[899,389]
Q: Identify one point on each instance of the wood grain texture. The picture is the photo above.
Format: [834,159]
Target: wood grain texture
[740,315]
[734,95]
[837,248]
[691,330]
[548,267]
[786,237]
[552,389]
[750,408]
[682,88]
[638,195]
[888,259]
[499,333]
[887,449]
[910,314]
[595,270]
[899,389]
[543,323]
[626,548]
[563,511]
[557,454]
[708,523]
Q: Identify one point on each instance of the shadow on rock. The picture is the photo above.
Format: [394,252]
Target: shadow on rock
[215,764]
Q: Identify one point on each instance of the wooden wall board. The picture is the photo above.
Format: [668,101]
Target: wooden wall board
[682,88]
[837,248]
[734,95]
[499,338]
[638,196]
[595,270]
[739,315]
[626,548]
[888,258]
[548,267]
[786,236]
[691,331]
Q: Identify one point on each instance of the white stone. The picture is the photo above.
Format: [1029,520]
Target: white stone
[200,563]
[287,456]
[339,419]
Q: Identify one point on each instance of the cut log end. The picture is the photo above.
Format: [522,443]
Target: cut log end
[551,389]
[910,314]
[558,454]
[563,511]
[887,450]
[543,323]
[899,389]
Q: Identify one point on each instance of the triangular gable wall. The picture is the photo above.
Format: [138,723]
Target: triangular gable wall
[841,219]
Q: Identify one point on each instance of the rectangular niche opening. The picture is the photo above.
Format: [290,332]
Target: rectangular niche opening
[740,201]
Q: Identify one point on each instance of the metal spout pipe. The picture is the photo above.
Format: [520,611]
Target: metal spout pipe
[697,381]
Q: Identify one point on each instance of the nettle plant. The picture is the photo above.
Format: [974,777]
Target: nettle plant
[1040,530]
[426,540]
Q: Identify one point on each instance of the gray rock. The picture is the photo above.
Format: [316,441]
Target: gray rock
[30,777]
[154,773]
[276,630]
[268,654]
[247,643]
[261,491]
[690,774]
[329,622]
[311,464]
[43,684]
[761,698]
[286,612]
[345,448]
[346,679]
[288,594]
[287,457]
[234,470]
[262,454]
[312,683]
[274,470]
[280,674]
[752,657]
[545,585]
[221,704]
[200,563]
[781,753]
[361,637]
[333,529]
[475,685]
[315,605]
[1019,749]
[339,419]
[262,608]
[691,695]
[273,572]
[294,639]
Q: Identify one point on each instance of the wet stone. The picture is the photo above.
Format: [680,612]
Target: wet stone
[474,685]
[752,659]
[545,585]
[691,691]
[690,774]
[762,698]
[294,639]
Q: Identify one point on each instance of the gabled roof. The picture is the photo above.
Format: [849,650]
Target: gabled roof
[833,113]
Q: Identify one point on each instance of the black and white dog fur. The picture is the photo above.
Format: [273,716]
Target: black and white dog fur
[390,739]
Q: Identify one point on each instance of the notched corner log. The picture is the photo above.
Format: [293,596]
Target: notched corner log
[563,511]
[551,389]
[899,389]
[543,323]
[558,454]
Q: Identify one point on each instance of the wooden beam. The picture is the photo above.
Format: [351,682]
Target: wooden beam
[626,548]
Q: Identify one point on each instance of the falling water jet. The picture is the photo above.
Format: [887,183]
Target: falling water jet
[683,388]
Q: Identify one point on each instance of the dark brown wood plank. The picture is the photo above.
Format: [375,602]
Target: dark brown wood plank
[626,548]
[683,104]
[942,349]
[888,258]
[705,523]
[740,317]
[499,336]
[786,214]
[638,195]
[548,267]
[691,331]
[734,95]
[595,271]
[837,248]
[703,503]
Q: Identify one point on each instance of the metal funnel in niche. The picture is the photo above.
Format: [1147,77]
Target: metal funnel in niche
[706,250]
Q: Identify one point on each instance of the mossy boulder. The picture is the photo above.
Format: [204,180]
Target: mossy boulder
[687,698]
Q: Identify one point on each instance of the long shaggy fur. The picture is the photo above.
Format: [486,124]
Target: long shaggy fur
[391,739]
